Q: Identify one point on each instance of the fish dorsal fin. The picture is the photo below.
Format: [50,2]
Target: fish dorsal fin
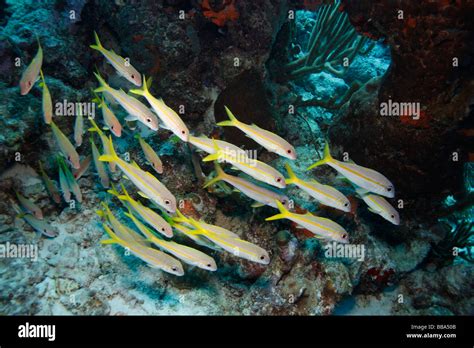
[143,195]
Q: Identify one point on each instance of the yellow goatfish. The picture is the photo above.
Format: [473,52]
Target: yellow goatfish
[207,145]
[123,66]
[235,246]
[85,163]
[50,185]
[150,155]
[67,149]
[105,142]
[99,166]
[260,194]
[149,186]
[47,103]
[135,108]
[379,205]
[212,228]
[363,177]
[154,258]
[323,228]
[167,115]
[187,254]
[267,139]
[325,194]
[148,215]
[29,206]
[79,128]
[198,239]
[110,119]
[256,169]
[30,75]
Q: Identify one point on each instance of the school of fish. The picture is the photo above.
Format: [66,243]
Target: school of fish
[155,225]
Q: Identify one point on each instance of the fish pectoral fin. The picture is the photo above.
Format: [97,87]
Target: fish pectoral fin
[130,118]
[235,190]
[125,177]
[257,205]
[373,211]
[108,241]
[143,195]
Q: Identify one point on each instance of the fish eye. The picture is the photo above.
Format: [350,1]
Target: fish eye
[389,188]
[133,76]
[278,179]
[346,204]
[344,236]
[163,229]
[167,202]
[209,265]
[288,151]
[29,83]
[283,201]
[262,257]
[392,216]
[183,132]
[174,269]
[148,120]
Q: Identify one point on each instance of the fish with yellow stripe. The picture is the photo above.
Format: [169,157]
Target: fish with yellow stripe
[187,254]
[65,146]
[325,194]
[234,245]
[149,186]
[206,144]
[152,257]
[99,166]
[135,108]
[323,228]
[270,141]
[47,103]
[123,66]
[167,115]
[256,169]
[145,213]
[150,155]
[79,128]
[30,75]
[105,146]
[365,178]
[379,205]
[110,119]
[261,195]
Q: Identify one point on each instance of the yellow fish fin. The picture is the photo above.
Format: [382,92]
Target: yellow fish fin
[232,119]
[143,195]
[292,176]
[284,213]
[257,205]
[326,158]
[220,174]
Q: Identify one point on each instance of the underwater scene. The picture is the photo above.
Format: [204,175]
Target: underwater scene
[234,157]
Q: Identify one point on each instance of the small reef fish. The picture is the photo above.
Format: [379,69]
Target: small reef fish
[110,119]
[323,228]
[99,166]
[188,232]
[123,66]
[85,163]
[29,206]
[379,205]
[78,128]
[167,115]
[149,186]
[212,228]
[47,103]
[260,194]
[325,194]
[30,75]
[105,146]
[40,226]
[50,185]
[267,139]
[363,177]
[135,108]
[71,181]
[154,258]
[67,149]
[207,145]
[146,214]
[225,239]
[150,155]
[64,185]
[187,254]
[256,169]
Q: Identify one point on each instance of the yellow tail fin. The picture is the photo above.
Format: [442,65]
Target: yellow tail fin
[114,239]
[220,174]
[144,90]
[180,217]
[98,46]
[284,213]
[112,155]
[326,158]
[232,119]
[292,179]
[103,85]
